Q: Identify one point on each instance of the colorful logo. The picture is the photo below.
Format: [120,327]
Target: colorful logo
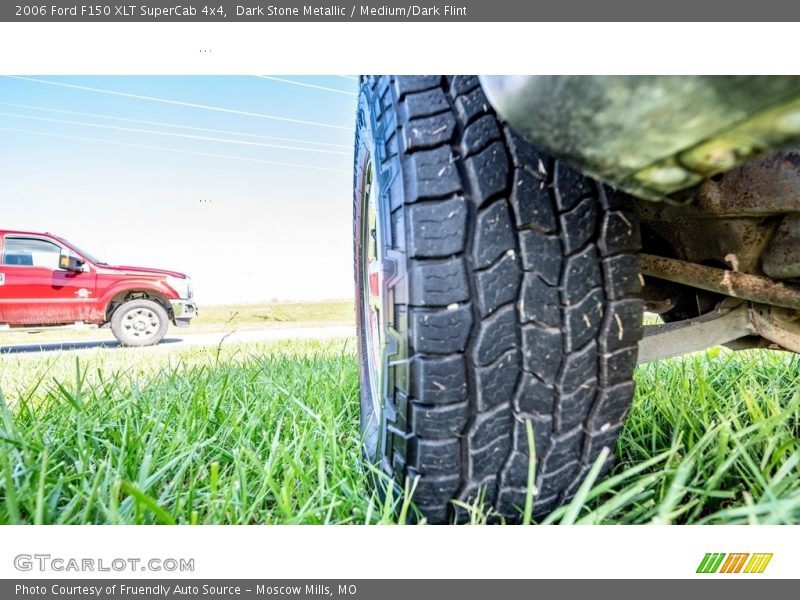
[719,562]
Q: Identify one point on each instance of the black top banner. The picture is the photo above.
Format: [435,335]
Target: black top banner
[402,10]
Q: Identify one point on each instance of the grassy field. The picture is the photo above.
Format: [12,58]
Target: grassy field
[269,434]
[223,318]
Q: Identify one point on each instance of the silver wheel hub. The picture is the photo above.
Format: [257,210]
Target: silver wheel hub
[141,323]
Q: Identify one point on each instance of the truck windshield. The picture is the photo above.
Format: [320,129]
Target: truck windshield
[82,252]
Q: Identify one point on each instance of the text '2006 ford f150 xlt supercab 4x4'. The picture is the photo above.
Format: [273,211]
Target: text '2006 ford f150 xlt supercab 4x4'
[46,281]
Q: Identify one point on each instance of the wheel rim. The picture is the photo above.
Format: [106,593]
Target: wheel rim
[372,275]
[141,323]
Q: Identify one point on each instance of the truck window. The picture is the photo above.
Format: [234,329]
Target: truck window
[31,252]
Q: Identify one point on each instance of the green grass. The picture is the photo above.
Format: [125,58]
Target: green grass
[268,433]
[212,319]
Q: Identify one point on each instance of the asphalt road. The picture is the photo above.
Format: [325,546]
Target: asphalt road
[190,340]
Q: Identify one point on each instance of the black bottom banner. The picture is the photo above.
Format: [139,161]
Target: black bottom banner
[369,589]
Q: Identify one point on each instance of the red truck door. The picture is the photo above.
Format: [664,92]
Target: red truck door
[35,291]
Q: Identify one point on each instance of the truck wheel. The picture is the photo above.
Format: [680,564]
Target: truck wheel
[139,323]
[495,287]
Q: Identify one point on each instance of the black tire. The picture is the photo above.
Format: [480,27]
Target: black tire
[150,310]
[510,295]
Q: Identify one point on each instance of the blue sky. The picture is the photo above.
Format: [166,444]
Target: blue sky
[245,229]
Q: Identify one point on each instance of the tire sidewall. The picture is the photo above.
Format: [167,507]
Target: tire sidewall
[370,423]
[374,127]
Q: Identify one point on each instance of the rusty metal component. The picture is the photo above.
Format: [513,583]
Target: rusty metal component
[653,136]
[766,186]
[722,281]
[698,237]
[714,328]
[739,327]
[780,326]
[781,259]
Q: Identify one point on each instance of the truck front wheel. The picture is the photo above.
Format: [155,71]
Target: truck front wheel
[139,323]
[497,296]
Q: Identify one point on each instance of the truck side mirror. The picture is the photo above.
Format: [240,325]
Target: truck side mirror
[71,263]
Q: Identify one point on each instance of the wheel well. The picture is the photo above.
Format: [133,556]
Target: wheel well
[127,295]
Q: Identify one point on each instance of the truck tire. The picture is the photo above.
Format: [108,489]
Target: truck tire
[495,286]
[139,323]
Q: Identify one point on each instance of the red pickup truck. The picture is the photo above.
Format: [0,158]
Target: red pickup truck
[45,281]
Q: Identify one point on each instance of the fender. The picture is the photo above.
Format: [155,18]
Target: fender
[144,284]
[634,132]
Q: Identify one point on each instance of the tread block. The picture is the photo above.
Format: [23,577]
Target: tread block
[461,84]
[579,224]
[428,132]
[541,254]
[572,488]
[495,384]
[525,156]
[573,406]
[487,172]
[579,366]
[610,406]
[499,284]
[542,352]
[596,441]
[544,506]
[622,326]
[439,380]
[406,84]
[434,491]
[614,199]
[436,229]
[496,334]
[434,514]
[534,396]
[582,272]
[511,503]
[494,235]
[583,320]
[471,105]
[479,134]
[530,199]
[552,483]
[440,331]
[436,457]
[425,104]
[488,460]
[438,283]
[515,472]
[542,432]
[486,489]
[489,426]
[621,274]
[570,186]
[431,174]
[619,232]
[617,367]
[564,449]
[539,302]
[439,422]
